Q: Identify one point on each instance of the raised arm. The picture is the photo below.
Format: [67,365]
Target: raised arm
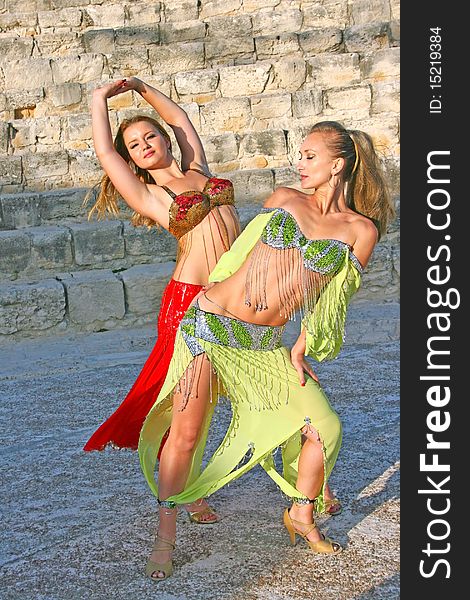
[189,142]
[135,193]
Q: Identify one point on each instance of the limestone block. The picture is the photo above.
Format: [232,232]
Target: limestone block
[244,80]
[181,10]
[125,64]
[51,247]
[77,69]
[19,99]
[383,64]
[269,142]
[185,56]
[14,48]
[45,164]
[286,177]
[137,36]
[36,5]
[143,13]
[289,74]
[58,44]
[144,285]
[65,94]
[225,114]
[62,204]
[85,169]
[192,110]
[219,7]
[269,106]
[19,210]
[106,15]
[329,70]
[64,17]
[366,38]
[95,298]
[4,136]
[386,96]
[380,280]
[97,242]
[11,170]
[155,244]
[328,13]
[99,41]
[196,82]
[220,148]
[182,31]
[31,306]
[39,74]
[276,45]
[321,39]
[369,11]
[295,137]
[395,9]
[255,5]
[252,187]
[22,133]
[78,127]
[307,103]
[15,251]
[274,22]
[20,22]
[351,97]
[394,33]
[229,26]
[222,51]
[48,130]
[3,102]
[384,131]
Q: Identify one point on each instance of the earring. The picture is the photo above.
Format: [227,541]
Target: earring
[335,178]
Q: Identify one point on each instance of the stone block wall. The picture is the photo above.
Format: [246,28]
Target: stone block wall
[253,75]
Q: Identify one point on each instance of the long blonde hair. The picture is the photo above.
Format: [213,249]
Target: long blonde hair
[367,191]
[107,199]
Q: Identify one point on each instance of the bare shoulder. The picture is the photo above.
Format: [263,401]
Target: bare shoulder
[282,197]
[366,238]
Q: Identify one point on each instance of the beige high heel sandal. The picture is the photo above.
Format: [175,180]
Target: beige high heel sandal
[167,567]
[197,516]
[324,546]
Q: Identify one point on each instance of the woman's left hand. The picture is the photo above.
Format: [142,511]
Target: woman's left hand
[301,366]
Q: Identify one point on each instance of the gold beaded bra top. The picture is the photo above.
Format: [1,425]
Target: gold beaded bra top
[202,227]
[189,208]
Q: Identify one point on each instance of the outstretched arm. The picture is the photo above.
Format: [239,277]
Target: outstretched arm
[136,193]
[192,151]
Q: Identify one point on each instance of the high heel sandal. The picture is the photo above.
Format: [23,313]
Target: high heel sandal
[167,567]
[324,546]
[197,516]
[333,507]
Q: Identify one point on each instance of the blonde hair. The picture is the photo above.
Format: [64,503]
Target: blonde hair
[107,199]
[367,191]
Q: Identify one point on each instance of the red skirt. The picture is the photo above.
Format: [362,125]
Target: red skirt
[123,427]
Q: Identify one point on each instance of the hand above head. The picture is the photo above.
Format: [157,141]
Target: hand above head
[110,89]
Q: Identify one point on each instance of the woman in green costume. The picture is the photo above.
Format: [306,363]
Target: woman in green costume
[303,254]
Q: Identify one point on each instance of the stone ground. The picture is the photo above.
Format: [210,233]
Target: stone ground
[79,526]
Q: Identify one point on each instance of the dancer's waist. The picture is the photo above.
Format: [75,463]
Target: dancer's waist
[230,332]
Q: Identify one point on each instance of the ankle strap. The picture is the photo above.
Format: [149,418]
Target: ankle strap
[168,543]
[303,501]
[166,503]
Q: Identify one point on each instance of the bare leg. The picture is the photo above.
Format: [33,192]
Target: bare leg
[176,457]
[309,480]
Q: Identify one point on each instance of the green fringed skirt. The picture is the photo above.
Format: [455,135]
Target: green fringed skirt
[269,406]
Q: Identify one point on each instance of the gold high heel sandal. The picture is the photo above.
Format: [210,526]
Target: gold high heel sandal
[197,516]
[167,567]
[333,507]
[324,546]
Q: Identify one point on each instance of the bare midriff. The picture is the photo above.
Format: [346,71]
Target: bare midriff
[281,286]
[200,249]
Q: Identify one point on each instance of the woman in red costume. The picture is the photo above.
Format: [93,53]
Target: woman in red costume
[194,207]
